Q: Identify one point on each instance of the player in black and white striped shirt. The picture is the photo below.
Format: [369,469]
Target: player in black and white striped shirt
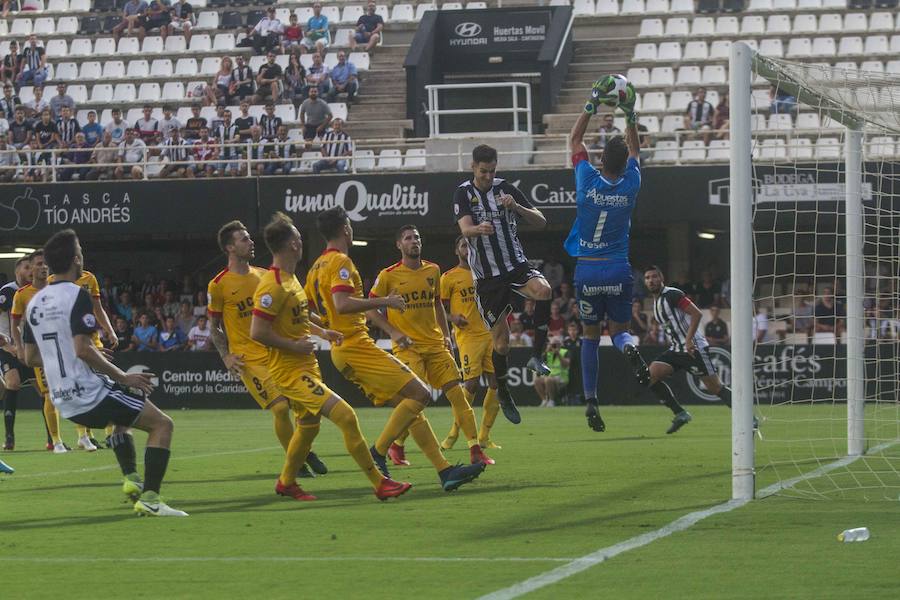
[688,348]
[487,210]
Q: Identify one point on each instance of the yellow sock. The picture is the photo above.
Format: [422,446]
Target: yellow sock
[345,418]
[52,418]
[463,413]
[81,430]
[297,451]
[488,414]
[421,431]
[401,439]
[454,430]
[402,415]
[284,428]
[110,429]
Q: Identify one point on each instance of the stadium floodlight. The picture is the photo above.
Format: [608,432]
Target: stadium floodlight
[25,250]
[814,193]
[12,254]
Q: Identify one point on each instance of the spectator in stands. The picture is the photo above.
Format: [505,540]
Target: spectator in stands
[760,323]
[257,151]
[37,105]
[290,39]
[829,315]
[169,123]
[606,132]
[132,11]
[551,387]
[8,103]
[124,307]
[10,169]
[654,335]
[59,100]
[644,139]
[572,344]
[699,115]
[185,317]
[11,65]
[227,135]
[171,305]
[721,121]
[145,336]
[206,153]
[804,311]
[92,131]
[716,330]
[176,153]
[782,102]
[200,301]
[283,148]
[241,81]
[78,157]
[568,305]
[183,18]
[267,33]
[269,122]
[199,336]
[124,335]
[336,149]
[106,152]
[526,317]
[19,133]
[156,16]
[219,91]
[368,29]
[317,35]
[708,292]
[68,127]
[245,121]
[34,64]
[344,79]
[295,81]
[556,326]
[132,153]
[45,138]
[315,115]
[640,324]
[116,128]
[319,76]
[268,80]
[517,336]
[147,127]
[171,338]
[194,124]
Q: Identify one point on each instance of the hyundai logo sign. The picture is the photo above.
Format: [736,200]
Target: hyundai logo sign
[467,30]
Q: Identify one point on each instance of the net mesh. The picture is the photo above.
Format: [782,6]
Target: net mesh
[800,114]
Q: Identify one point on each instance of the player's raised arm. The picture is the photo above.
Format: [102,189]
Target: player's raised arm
[513,199]
[631,132]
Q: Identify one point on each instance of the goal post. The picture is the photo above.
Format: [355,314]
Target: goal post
[813,210]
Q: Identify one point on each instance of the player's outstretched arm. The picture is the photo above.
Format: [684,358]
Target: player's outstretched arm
[95,359]
[468,228]
[576,136]
[381,322]
[344,303]
[262,331]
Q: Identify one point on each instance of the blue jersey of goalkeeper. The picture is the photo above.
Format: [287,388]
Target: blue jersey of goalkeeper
[599,239]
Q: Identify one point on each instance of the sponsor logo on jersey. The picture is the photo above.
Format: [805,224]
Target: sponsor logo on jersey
[607,290]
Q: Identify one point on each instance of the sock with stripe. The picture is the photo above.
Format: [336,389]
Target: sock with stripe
[500,368]
[590,365]
[489,412]
[541,320]
[298,450]
[421,432]
[402,415]
[345,418]
[284,426]
[725,396]
[156,461]
[10,404]
[463,413]
[662,391]
[622,338]
[123,447]
[51,417]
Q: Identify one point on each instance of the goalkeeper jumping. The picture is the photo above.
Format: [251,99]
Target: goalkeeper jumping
[600,233]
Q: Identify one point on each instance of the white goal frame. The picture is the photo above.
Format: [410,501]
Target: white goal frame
[743,62]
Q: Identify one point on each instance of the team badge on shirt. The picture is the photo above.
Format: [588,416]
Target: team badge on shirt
[344,274]
[266,300]
[89,321]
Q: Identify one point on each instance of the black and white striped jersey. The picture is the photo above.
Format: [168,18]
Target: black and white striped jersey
[6,301]
[67,129]
[56,314]
[668,309]
[500,253]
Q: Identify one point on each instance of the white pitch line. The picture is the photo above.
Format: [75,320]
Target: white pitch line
[116,466]
[238,559]
[594,558]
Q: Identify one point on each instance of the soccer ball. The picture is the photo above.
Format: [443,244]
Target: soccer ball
[613,90]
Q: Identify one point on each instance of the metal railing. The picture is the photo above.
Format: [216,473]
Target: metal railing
[434,111]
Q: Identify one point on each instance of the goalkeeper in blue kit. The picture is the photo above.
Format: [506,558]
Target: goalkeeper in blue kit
[599,238]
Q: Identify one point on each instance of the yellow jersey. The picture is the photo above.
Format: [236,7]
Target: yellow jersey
[87,282]
[280,298]
[458,286]
[20,301]
[230,297]
[335,272]
[420,289]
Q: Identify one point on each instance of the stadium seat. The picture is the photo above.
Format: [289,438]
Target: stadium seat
[757,122]
[360,60]
[719,150]
[653,102]
[330,60]
[26,93]
[56,48]
[693,150]
[808,121]
[823,337]
[67,26]
[186,66]
[421,9]
[780,122]
[804,24]
[828,148]
[113,69]
[20,27]
[207,19]
[632,7]
[91,25]
[210,65]
[771,47]
[759,6]
[175,43]
[881,21]
[124,92]
[726,26]
[695,51]
[152,45]
[787,5]
[753,25]
[390,158]
[880,147]
[669,52]
[876,44]
[342,38]
[679,100]
[714,75]
[58,6]
[800,149]
[306,61]
[773,149]
[799,48]
[91,70]
[777,25]
[352,13]
[128,45]
[607,8]
[364,160]
[402,13]
[681,6]
[831,23]
[415,159]
[754,45]
[895,44]
[639,76]
[851,46]
[338,110]
[672,123]
[644,52]
[132,115]
[66,71]
[452,6]
[846,65]
[856,23]
[651,28]
[223,42]
[200,42]
[651,122]
[703,26]
[759,99]
[283,15]
[149,92]
[809,4]
[286,111]
[102,93]
[662,76]
[665,151]
[173,90]
[657,7]
[80,5]
[823,46]
[231,20]
[872,66]
[161,67]
[720,49]
[104,46]
[677,27]
[892,67]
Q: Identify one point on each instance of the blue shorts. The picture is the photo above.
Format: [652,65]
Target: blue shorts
[603,289]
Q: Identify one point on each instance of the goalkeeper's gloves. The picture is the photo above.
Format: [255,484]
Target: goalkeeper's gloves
[597,92]
[628,106]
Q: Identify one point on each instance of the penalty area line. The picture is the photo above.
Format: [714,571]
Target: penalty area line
[603,554]
[285,559]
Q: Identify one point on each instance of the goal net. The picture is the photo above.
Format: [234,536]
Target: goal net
[825,147]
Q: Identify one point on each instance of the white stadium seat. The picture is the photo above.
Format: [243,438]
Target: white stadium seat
[881,21]
[129,45]
[720,49]
[186,66]
[91,70]
[804,24]
[846,65]
[759,6]
[57,48]
[332,13]
[20,27]
[342,38]
[688,75]
[653,102]
[662,76]
[693,150]
[679,101]
[856,23]
[753,25]
[421,9]
[104,46]
[149,92]
[800,149]
[402,13]
[757,122]
[809,4]
[58,6]
[851,46]
[338,110]
[208,19]
[175,43]
[657,6]
[773,149]
[173,90]
[703,26]
[67,26]
[78,92]
[360,60]
[876,44]
[780,122]
[799,48]
[777,25]
[352,13]
[677,27]
[719,150]
[651,28]
[834,3]
[639,76]
[895,44]
[200,42]
[390,158]
[286,112]
[651,122]
[415,159]
[831,23]
[672,123]
[644,52]
[669,52]
[364,160]
[101,93]
[695,51]
[66,71]
[726,26]
[607,8]
[823,46]
[223,41]
[784,5]
[210,65]
[152,45]
[632,7]
[771,47]
[872,66]
[161,67]
[80,5]
[828,148]
[880,147]
[113,69]
[681,6]
[665,151]
[124,92]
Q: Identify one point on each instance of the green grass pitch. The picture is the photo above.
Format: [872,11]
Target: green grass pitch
[558,491]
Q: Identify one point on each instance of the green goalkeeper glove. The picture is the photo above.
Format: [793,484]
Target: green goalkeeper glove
[598,90]
[628,105]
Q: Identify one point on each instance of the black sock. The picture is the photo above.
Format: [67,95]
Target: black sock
[500,368]
[541,319]
[665,395]
[10,403]
[123,445]
[46,426]
[155,462]
[725,395]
